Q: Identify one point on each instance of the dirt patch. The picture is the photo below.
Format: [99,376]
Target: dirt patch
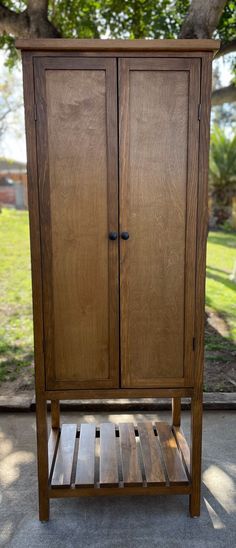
[219,369]
[24,384]
[220,356]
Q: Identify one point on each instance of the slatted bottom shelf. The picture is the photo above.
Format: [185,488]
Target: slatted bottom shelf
[131,458]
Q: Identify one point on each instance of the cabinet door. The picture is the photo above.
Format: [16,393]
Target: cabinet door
[159,131]
[78,193]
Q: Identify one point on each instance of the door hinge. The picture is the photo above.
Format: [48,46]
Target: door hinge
[35,111]
[199,111]
[194,343]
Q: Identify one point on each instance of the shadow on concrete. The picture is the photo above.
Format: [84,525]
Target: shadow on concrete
[124,522]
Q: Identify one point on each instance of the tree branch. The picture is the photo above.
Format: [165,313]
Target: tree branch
[31,23]
[38,6]
[229,47]
[40,26]
[224,95]
[202,18]
[12,22]
[5,114]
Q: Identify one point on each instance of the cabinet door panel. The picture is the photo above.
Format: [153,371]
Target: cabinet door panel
[78,190]
[158,202]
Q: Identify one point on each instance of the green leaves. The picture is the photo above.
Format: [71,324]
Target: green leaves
[119,19]
[226,30]
[222,160]
[7,43]
[143,18]
[222,175]
[76,18]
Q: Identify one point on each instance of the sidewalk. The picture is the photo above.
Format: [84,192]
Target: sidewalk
[211,401]
[129,522]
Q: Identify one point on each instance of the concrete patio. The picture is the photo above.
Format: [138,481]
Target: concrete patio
[130,522]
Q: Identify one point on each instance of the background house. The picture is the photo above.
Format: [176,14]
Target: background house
[13,183]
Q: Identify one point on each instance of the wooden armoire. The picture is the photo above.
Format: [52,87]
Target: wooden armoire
[117,144]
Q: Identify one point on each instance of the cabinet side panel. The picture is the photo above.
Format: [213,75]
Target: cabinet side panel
[206,82]
[35,244]
[196,405]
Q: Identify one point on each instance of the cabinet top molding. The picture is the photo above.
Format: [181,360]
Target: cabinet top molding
[61,44]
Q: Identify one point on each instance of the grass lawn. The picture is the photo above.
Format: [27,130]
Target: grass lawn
[220,337]
[16,332]
[220,290]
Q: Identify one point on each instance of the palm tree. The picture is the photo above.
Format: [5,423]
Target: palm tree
[222,174]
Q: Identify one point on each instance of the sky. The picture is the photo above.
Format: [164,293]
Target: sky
[13,144]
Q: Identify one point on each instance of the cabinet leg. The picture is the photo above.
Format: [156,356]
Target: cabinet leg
[42,444]
[176,411]
[55,413]
[196,451]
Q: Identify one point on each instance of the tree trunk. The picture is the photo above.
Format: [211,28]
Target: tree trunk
[224,95]
[202,18]
[200,22]
[229,47]
[31,23]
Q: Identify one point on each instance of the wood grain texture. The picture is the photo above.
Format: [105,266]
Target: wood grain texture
[139,453]
[197,54]
[191,220]
[196,455]
[172,459]
[55,413]
[129,455]
[120,491]
[35,246]
[42,456]
[52,449]
[34,219]
[151,454]
[41,408]
[119,393]
[86,456]
[78,192]
[65,454]
[183,446]
[196,403]
[114,45]
[108,475]
[158,210]
[176,411]
[79,56]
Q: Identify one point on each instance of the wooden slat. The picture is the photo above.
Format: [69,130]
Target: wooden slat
[64,459]
[130,465]
[86,456]
[52,444]
[183,446]
[151,458]
[108,459]
[171,455]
